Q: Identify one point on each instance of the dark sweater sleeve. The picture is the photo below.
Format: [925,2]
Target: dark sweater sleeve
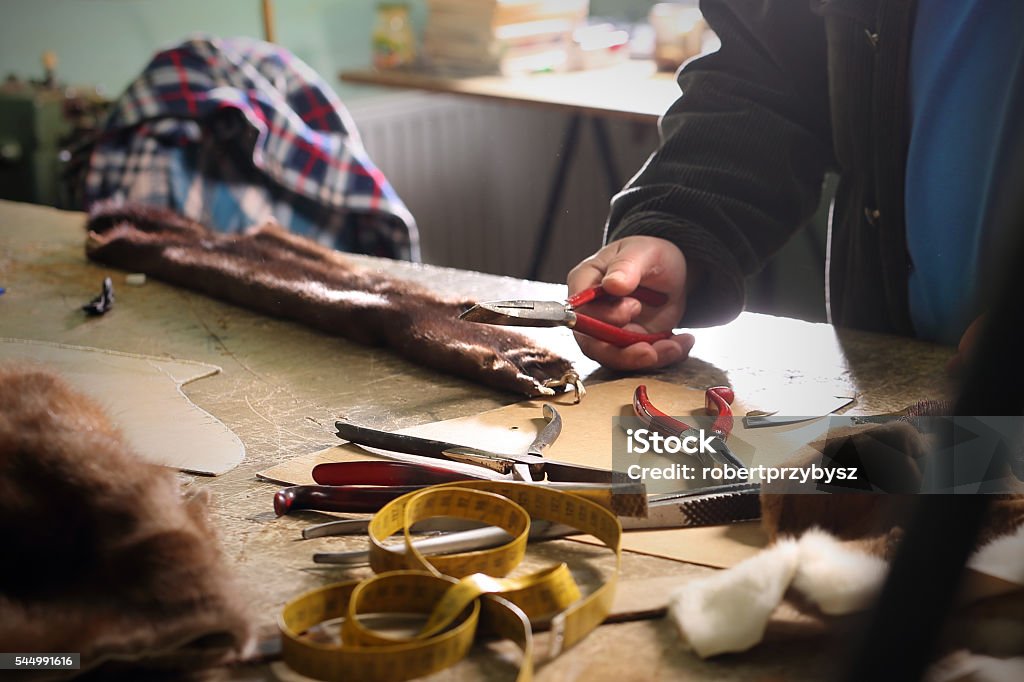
[743,151]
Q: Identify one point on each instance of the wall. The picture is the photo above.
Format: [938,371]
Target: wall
[476,174]
[107,42]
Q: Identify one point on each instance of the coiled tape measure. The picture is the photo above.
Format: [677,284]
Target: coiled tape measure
[457,593]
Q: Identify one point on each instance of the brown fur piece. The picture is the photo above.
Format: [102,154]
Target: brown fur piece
[885,454]
[274,272]
[102,556]
[888,457]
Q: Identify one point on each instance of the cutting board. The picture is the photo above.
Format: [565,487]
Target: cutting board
[143,397]
[586,438]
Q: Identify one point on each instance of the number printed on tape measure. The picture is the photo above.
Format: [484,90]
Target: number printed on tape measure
[40,661]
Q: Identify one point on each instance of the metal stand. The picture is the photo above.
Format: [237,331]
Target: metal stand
[570,139]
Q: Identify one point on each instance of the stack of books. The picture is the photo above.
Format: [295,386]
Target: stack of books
[507,37]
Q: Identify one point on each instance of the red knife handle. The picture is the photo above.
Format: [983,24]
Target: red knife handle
[383,473]
[351,499]
[617,336]
[642,294]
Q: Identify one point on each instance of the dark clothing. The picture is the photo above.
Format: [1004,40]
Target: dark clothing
[794,91]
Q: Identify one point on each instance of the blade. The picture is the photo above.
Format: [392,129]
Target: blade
[724,454]
[758,421]
[563,472]
[549,434]
[471,470]
[519,313]
[687,510]
[438,524]
[398,442]
[483,464]
[459,541]
[395,445]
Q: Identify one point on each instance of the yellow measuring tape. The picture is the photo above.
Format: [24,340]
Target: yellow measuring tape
[454,593]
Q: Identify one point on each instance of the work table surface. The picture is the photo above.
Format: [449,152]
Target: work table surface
[282,385]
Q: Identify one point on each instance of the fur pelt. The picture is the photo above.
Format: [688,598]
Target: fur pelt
[271,271]
[102,555]
[889,457]
[829,552]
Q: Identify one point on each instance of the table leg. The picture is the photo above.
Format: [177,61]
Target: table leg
[604,150]
[569,142]
[568,146]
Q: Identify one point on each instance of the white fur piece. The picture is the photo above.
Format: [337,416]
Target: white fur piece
[838,579]
[729,610]
[1002,558]
[963,667]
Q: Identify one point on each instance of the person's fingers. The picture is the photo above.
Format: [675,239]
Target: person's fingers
[587,274]
[591,271]
[965,348]
[638,356]
[970,338]
[615,311]
[671,350]
[621,267]
[674,349]
[954,366]
[654,262]
[625,272]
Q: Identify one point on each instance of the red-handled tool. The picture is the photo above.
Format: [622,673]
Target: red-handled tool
[361,486]
[365,486]
[527,313]
[718,403]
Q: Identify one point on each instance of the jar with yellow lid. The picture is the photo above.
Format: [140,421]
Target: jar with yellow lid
[394,43]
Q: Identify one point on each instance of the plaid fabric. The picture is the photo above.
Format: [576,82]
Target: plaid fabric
[235,132]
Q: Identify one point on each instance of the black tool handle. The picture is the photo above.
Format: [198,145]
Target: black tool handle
[397,442]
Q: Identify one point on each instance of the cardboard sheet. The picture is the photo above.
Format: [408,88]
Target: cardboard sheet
[142,396]
[586,438]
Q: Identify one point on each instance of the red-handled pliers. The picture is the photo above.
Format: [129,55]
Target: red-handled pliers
[528,313]
[717,403]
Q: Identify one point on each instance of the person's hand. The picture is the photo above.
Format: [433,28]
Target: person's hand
[968,341]
[620,268]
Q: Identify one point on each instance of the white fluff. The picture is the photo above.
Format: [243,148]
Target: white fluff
[1003,557]
[729,610]
[962,666]
[838,579]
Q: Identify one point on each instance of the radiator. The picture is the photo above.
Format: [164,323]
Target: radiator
[476,176]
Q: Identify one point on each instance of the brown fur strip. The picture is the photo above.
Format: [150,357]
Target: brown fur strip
[888,455]
[102,555]
[277,273]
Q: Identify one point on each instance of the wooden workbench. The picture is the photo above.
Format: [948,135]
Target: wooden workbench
[282,385]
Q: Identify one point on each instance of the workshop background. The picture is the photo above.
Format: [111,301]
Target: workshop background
[474,174]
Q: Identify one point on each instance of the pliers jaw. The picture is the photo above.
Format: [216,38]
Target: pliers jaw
[526,313]
[521,313]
